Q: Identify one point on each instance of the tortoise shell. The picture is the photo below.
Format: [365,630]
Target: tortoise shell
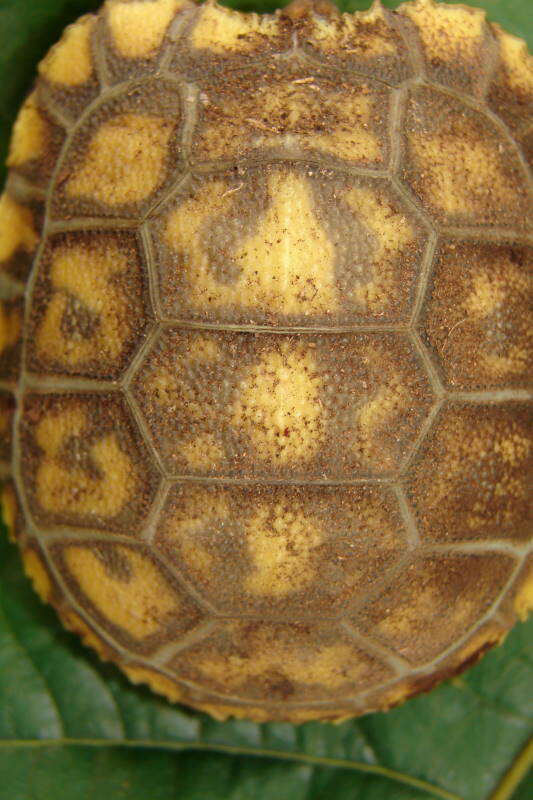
[266,348]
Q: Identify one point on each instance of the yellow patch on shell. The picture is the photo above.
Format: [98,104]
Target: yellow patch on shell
[278,406]
[197,511]
[124,162]
[89,277]
[155,680]
[16,228]
[343,35]
[285,113]
[28,141]
[202,453]
[486,443]
[448,33]
[10,326]
[462,174]
[383,409]
[138,28]
[516,61]
[226,32]
[329,666]
[137,602]
[10,509]
[281,543]
[286,265]
[392,233]
[69,62]
[75,623]
[490,293]
[36,571]
[73,490]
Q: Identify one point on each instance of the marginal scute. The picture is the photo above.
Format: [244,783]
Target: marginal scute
[138,28]
[69,62]
[226,32]
[11,319]
[17,230]
[29,137]
[156,681]
[124,585]
[516,61]
[125,160]
[492,446]
[511,90]
[11,514]
[368,42]
[479,317]
[36,569]
[454,41]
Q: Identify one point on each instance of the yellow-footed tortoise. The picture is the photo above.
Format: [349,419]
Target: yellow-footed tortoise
[266,342]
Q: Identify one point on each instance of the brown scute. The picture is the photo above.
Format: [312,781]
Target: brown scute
[290,244]
[479,315]
[288,552]
[133,35]
[286,662]
[510,93]
[366,43]
[220,39]
[20,223]
[123,156]
[265,386]
[456,43]
[89,305]
[472,480]
[526,142]
[36,142]
[434,602]
[11,320]
[292,111]
[461,165]
[7,410]
[68,73]
[126,591]
[296,406]
[84,463]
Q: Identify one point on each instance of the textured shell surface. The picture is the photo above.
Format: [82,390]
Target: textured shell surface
[266,348]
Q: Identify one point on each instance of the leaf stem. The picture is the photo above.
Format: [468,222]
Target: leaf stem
[514,775]
[318,761]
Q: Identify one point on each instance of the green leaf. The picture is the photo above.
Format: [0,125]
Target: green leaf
[72,728]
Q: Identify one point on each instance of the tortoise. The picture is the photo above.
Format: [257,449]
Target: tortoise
[266,348]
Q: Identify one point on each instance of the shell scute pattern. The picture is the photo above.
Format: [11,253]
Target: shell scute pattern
[268,392]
